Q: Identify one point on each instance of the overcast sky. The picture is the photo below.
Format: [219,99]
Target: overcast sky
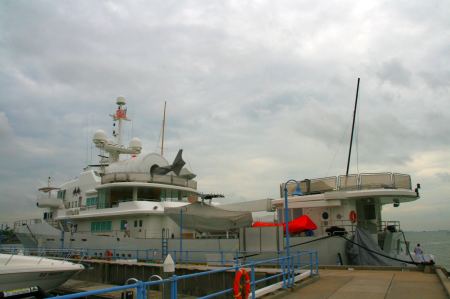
[257,92]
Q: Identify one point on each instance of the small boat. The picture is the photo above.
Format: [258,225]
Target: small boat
[34,272]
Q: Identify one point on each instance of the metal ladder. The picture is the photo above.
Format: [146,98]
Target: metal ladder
[164,243]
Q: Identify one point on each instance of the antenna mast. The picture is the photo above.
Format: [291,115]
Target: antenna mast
[163,127]
[353,128]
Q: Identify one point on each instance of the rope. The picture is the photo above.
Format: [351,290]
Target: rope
[368,249]
[361,246]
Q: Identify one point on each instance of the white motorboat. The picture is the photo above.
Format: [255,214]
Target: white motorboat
[20,271]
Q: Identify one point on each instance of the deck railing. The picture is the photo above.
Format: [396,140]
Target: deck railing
[147,178]
[286,271]
[363,181]
[349,226]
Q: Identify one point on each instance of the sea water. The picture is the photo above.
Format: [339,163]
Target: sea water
[432,242]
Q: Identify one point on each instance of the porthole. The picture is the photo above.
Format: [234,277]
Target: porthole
[325,215]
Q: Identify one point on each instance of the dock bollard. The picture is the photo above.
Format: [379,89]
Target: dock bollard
[129,294]
[168,271]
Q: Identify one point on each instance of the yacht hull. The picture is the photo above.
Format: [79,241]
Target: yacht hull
[19,271]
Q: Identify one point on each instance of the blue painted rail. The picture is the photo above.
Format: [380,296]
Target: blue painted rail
[290,267]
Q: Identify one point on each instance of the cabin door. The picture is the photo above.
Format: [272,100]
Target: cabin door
[366,210]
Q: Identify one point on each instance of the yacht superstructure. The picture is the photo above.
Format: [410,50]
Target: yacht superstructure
[114,201]
[145,202]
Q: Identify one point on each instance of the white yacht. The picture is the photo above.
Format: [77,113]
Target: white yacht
[144,202]
[349,207]
[18,272]
[123,204]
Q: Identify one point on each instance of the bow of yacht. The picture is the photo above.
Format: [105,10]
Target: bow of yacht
[20,271]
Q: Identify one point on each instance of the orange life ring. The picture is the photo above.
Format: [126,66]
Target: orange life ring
[241,291]
[352,216]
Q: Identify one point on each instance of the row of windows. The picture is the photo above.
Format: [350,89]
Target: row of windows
[112,197]
[91,201]
[106,226]
[61,194]
[136,223]
[72,204]
[101,226]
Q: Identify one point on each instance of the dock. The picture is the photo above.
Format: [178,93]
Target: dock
[335,282]
[369,284]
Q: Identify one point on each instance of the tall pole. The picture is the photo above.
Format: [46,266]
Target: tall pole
[163,127]
[353,128]
[286,218]
[181,234]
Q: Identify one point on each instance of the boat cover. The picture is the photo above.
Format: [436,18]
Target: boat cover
[206,218]
[358,255]
[298,225]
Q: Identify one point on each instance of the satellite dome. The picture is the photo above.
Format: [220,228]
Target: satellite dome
[100,137]
[135,143]
[120,101]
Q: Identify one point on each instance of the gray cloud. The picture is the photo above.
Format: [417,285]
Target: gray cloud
[257,92]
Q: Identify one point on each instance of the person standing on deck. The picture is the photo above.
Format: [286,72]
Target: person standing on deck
[419,253]
[127,230]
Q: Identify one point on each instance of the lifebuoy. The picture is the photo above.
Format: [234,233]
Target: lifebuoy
[241,291]
[352,216]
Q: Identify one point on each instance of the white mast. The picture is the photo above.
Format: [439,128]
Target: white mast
[115,149]
[120,116]
[163,127]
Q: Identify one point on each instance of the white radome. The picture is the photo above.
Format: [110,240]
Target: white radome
[100,137]
[120,101]
[135,144]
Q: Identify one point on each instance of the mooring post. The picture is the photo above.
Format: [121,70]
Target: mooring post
[168,271]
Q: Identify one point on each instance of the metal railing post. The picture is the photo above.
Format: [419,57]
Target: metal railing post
[173,291]
[221,258]
[317,263]
[283,269]
[252,281]
[291,271]
[310,263]
[141,292]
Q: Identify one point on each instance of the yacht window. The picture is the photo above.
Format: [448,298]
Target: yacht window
[150,194]
[122,224]
[140,223]
[135,223]
[61,194]
[171,195]
[103,199]
[91,201]
[101,226]
[120,195]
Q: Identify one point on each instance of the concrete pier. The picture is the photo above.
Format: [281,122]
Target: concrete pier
[368,284]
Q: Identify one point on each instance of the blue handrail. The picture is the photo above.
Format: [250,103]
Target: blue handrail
[289,268]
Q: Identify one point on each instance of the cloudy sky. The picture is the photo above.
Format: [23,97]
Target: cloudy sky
[258,92]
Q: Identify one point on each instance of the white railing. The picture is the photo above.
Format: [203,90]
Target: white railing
[363,181]
[147,178]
